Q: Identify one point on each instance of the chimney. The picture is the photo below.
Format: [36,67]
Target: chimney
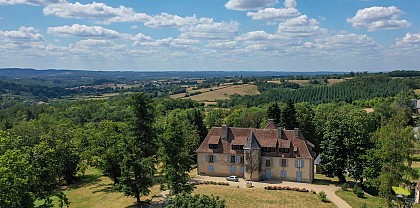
[270,121]
[279,133]
[296,130]
[225,132]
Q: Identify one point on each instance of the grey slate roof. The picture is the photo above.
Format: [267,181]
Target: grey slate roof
[252,142]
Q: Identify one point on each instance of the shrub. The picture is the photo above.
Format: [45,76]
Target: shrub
[184,200]
[287,188]
[323,196]
[312,191]
[357,190]
[269,188]
[364,206]
[279,188]
[303,190]
[296,189]
[345,186]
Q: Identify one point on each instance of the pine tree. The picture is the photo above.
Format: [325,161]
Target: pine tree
[289,115]
[274,112]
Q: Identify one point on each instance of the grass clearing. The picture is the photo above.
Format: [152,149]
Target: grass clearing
[96,191]
[241,197]
[417,91]
[354,201]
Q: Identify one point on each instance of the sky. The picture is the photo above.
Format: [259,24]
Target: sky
[198,35]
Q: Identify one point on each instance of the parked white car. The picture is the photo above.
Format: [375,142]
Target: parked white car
[232,178]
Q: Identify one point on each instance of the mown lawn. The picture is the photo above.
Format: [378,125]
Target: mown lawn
[241,197]
[95,191]
[371,201]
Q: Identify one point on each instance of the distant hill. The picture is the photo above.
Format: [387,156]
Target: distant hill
[18,73]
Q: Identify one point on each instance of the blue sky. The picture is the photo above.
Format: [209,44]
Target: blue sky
[149,35]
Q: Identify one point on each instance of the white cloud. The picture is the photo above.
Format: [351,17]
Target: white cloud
[301,26]
[170,20]
[379,18]
[99,12]
[274,13]
[223,45]
[290,3]
[24,34]
[257,36]
[410,40]
[134,26]
[249,4]
[348,43]
[168,42]
[77,30]
[211,30]
[30,2]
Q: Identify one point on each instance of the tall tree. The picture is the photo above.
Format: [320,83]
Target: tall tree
[396,142]
[289,115]
[138,167]
[273,112]
[215,117]
[175,152]
[305,115]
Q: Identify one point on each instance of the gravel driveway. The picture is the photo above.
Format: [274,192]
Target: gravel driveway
[328,189]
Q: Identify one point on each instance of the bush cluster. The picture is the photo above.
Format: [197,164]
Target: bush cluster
[358,191]
[323,196]
[285,188]
[211,183]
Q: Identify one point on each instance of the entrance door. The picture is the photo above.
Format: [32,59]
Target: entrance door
[299,176]
[267,173]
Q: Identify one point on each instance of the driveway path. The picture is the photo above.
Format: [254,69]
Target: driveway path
[328,189]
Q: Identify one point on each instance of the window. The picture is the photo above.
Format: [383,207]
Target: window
[267,163]
[300,163]
[283,174]
[285,150]
[232,159]
[211,168]
[232,169]
[237,147]
[268,149]
[283,162]
[242,170]
[213,146]
[211,158]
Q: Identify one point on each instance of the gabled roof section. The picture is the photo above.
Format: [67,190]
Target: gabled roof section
[252,143]
[271,126]
[258,139]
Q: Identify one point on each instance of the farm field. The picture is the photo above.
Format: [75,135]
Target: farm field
[306,82]
[241,197]
[202,90]
[222,93]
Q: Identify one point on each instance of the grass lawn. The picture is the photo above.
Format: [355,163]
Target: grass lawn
[241,197]
[417,91]
[354,201]
[95,191]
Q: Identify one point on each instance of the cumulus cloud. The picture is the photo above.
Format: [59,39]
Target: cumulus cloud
[99,12]
[211,30]
[348,42]
[223,45]
[379,18]
[170,20]
[410,40]
[257,36]
[301,26]
[24,34]
[169,42]
[249,4]
[77,30]
[30,2]
[290,3]
[274,14]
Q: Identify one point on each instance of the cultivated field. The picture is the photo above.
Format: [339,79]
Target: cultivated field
[221,93]
[242,197]
[306,82]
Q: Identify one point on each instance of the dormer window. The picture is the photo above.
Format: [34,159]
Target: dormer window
[268,149]
[213,146]
[237,147]
[285,150]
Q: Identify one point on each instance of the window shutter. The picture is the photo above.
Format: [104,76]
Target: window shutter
[303,163]
[242,169]
[228,158]
[264,161]
[214,158]
[238,158]
[207,158]
[271,162]
[287,162]
[296,163]
[280,162]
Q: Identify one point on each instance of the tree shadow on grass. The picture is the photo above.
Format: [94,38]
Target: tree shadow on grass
[85,180]
[106,188]
[146,204]
[326,182]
